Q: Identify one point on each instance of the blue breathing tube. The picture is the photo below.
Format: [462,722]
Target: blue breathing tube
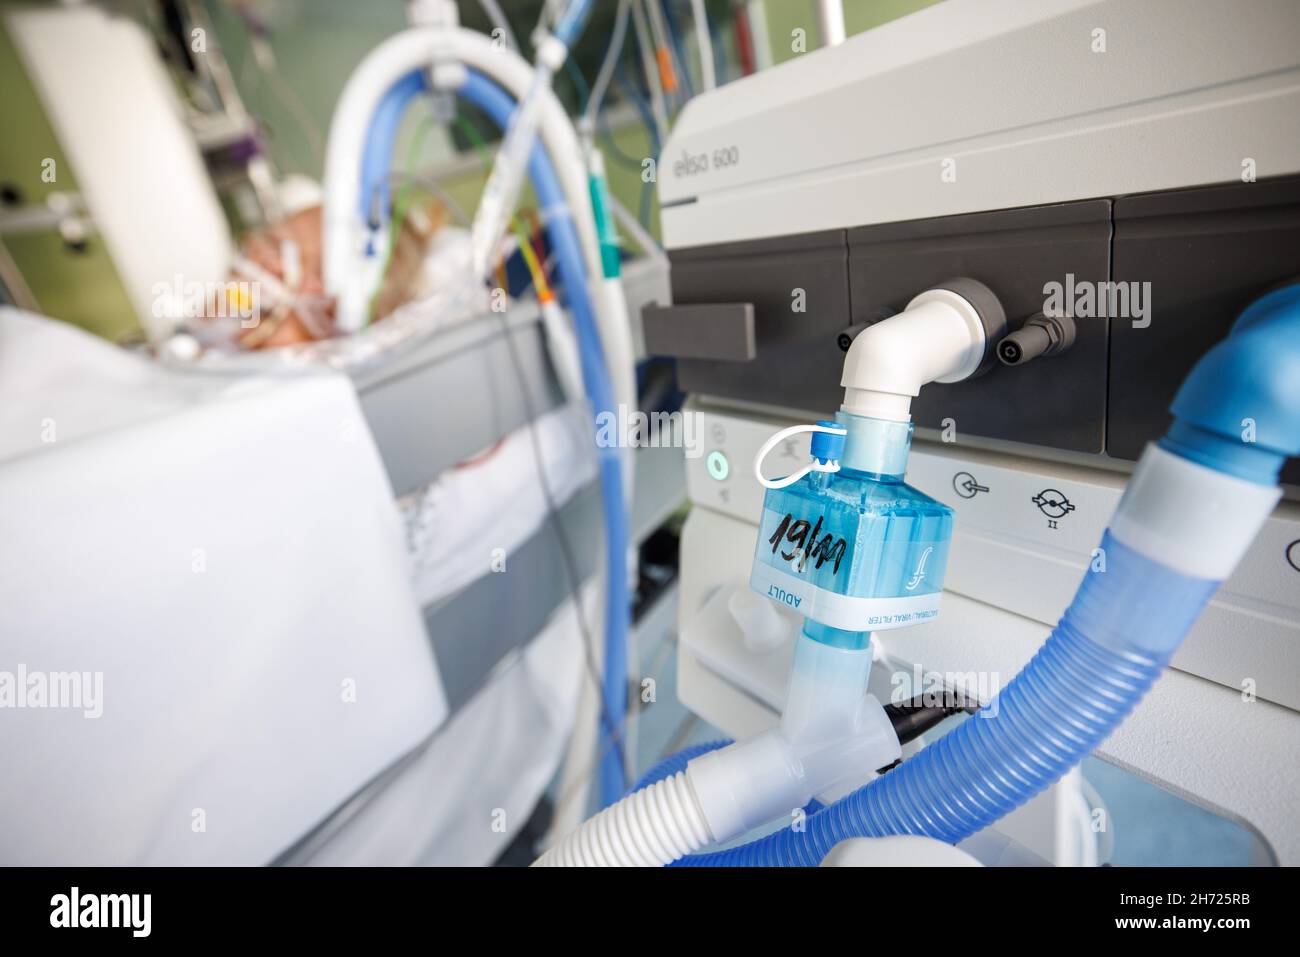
[1113,642]
[572,22]
[377,157]
[1251,376]
[1082,683]
[595,376]
[498,105]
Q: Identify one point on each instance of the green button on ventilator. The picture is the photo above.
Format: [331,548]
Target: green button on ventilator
[718,466]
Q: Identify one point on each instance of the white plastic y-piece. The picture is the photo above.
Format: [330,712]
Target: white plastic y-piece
[833,737]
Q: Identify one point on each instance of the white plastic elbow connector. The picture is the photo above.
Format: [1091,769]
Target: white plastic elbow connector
[749,783]
[946,334]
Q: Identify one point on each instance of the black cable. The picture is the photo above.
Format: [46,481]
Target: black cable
[562,539]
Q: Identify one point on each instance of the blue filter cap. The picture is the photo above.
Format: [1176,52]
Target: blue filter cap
[827,447]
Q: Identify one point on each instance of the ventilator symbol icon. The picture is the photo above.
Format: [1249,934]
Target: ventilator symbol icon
[1053,504]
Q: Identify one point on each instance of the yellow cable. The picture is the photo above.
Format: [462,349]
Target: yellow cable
[544,293]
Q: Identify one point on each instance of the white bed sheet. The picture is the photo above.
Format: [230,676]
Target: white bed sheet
[226,558]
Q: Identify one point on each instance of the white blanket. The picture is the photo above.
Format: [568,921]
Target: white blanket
[207,631]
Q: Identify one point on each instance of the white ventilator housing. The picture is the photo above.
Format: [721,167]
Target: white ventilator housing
[931,115]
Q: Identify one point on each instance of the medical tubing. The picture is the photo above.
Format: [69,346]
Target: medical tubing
[573,21]
[659,105]
[910,720]
[611,310]
[595,373]
[658,822]
[677,762]
[651,828]
[497,17]
[704,40]
[377,157]
[1081,684]
[505,181]
[1255,370]
[674,763]
[348,271]
[677,53]
[611,254]
[490,98]
[596,99]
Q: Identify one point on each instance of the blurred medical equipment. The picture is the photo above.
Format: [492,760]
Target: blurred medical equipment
[86,65]
[905,198]
[231,138]
[87,170]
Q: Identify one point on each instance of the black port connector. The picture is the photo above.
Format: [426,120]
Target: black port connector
[844,338]
[1039,336]
[911,719]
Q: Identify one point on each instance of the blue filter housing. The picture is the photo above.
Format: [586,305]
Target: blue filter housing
[854,550]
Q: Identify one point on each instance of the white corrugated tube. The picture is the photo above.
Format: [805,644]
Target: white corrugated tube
[651,828]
